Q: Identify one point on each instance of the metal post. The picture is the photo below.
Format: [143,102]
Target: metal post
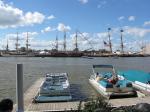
[19,88]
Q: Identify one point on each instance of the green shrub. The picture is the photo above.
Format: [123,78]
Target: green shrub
[96,105]
[100,105]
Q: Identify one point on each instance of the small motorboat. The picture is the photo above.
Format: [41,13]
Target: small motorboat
[55,87]
[109,84]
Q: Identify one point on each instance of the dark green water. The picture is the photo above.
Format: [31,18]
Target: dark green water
[79,70]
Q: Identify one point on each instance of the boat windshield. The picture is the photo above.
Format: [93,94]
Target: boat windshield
[101,70]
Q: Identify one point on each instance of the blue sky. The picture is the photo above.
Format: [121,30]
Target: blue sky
[43,19]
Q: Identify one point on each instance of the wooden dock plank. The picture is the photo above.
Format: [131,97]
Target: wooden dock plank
[129,101]
[72,105]
[53,106]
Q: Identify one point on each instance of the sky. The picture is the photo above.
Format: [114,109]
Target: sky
[46,19]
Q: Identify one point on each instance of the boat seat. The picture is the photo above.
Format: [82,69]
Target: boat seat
[107,75]
[106,84]
[123,83]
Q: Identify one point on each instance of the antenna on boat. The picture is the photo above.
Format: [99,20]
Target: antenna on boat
[110,45]
[122,46]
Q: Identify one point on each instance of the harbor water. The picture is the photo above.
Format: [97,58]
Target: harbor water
[78,69]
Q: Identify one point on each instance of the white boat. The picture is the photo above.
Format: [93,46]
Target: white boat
[55,87]
[109,84]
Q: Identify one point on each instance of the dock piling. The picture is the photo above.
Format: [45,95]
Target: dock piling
[19,88]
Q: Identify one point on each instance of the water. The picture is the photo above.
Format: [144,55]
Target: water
[79,70]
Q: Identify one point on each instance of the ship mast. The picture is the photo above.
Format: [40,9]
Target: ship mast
[17,44]
[122,46]
[27,43]
[7,46]
[64,40]
[76,42]
[56,42]
[110,45]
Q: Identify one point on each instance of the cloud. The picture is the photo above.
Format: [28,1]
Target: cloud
[14,17]
[101,4]
[51,17]
[61,27]
[48,29]
[89,41]
[121,18]
[43,44]
[22,39]
[33,18]
[102,35]
[84,35]
[83,1]
[86,41]
[131,18]
[147,23]
[22,36]
[137,32]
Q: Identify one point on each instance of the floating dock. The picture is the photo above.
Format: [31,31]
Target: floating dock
[52,106]
[70,105]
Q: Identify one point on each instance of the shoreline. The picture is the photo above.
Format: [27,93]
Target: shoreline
[82,56]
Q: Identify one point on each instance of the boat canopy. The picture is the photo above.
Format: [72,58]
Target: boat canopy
[111,67]
[136,75]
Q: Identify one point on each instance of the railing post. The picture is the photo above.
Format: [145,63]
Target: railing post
[19,88]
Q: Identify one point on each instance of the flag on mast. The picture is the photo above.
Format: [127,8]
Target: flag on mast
[105,43]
